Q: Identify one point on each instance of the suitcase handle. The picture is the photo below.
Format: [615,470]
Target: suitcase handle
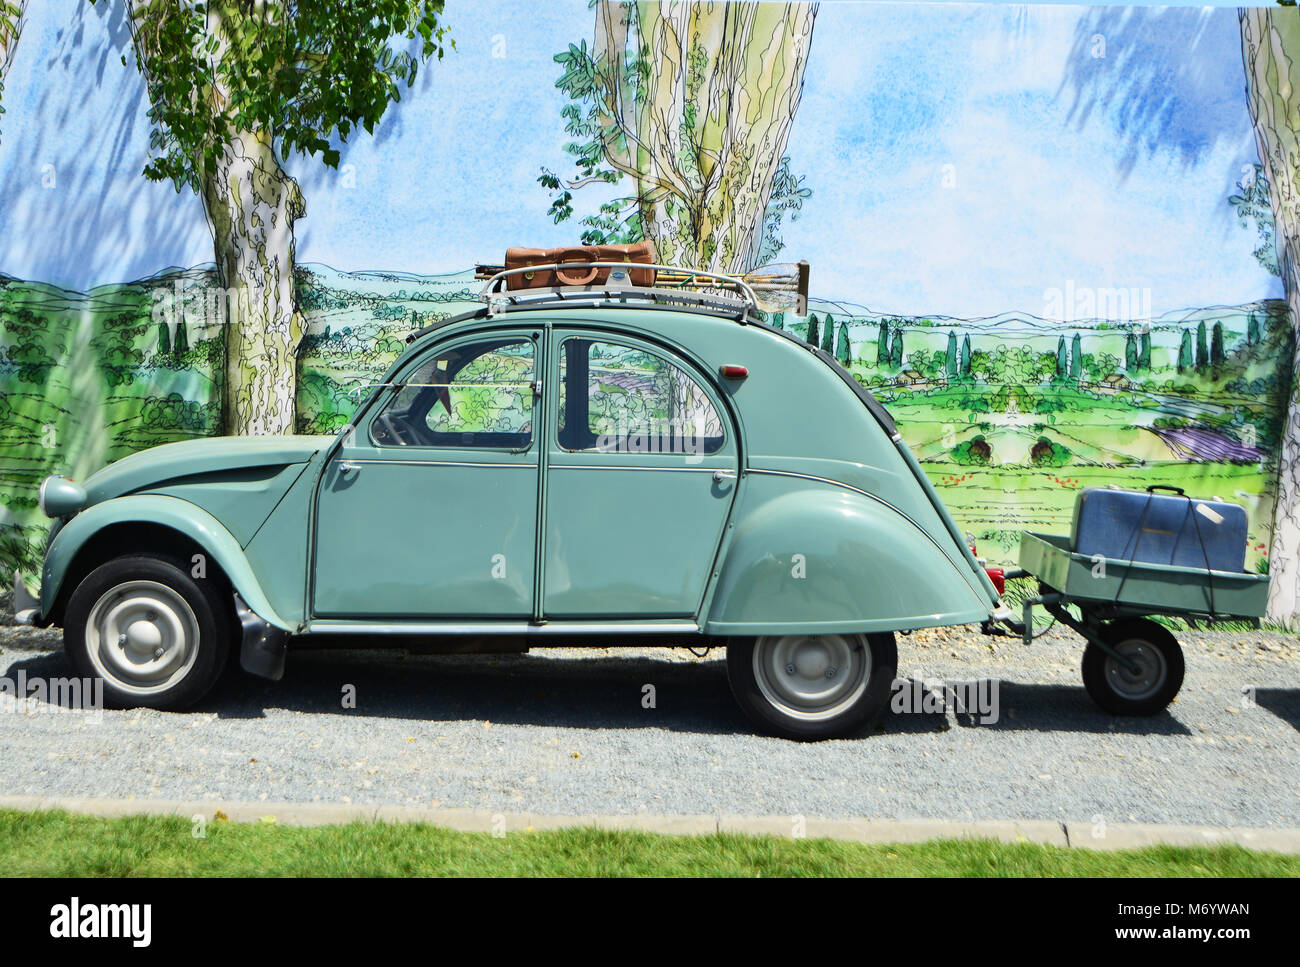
[1177,490]
[579,256]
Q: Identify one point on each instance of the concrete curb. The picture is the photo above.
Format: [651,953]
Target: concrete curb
[1047,832]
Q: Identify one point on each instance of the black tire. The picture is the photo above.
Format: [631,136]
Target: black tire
[864,694]
[1119,691]
[192,641]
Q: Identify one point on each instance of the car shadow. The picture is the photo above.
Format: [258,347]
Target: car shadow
[600,692]
[607,691]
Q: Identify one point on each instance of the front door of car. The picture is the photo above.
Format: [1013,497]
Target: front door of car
[642,463]
[429,508]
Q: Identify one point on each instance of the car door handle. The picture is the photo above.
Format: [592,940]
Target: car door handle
[348,466]
[721,475]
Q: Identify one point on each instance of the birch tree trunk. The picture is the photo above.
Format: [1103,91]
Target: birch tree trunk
[1270,44]
[703,129]
[251,206]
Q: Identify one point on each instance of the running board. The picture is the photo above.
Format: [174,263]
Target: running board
[523,629]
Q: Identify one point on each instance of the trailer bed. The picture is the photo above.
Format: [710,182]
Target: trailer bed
[1138,587]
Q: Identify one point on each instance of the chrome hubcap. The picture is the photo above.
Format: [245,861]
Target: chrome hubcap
[1147,680]
[812,677]
[142,637]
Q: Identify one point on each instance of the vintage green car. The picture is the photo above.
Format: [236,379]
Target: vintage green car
[594,464]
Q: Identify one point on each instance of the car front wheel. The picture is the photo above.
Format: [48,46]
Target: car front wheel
[812,687]
[154,635]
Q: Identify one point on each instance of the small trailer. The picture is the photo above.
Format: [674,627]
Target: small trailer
[1131,665]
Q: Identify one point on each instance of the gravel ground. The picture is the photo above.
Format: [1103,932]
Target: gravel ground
[565,732]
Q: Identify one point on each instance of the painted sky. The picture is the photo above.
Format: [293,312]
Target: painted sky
[964,159]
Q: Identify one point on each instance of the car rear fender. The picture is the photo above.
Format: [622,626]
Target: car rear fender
[811,557]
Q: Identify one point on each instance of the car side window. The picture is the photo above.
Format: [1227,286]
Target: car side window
[472,395]
[616,398]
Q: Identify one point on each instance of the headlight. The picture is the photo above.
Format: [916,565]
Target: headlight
[60,497]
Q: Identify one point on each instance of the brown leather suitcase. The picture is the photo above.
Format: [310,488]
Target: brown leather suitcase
[518,258]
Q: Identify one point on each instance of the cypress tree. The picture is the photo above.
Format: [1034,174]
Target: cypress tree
[1218,356]
[164,339]
[1253,330]
[812,337]
[950,361]
[843,352]
[828,333]
[1144,352]
[1202,350]
[1076,358]
[1131,353]
[896,351]
[1185,358]
[882,346]
[965,355]
[181,345]
[1062,360]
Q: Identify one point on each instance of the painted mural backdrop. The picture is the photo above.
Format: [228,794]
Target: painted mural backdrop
[1059,243]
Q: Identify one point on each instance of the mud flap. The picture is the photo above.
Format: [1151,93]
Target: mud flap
[264,646]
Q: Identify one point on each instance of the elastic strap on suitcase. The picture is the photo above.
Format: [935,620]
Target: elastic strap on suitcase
[1205,555]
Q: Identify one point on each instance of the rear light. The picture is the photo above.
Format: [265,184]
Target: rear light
[999,578]
[734,372]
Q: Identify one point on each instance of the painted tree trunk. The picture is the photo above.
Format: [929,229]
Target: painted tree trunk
[251,206]
[1270,43]
[704,132]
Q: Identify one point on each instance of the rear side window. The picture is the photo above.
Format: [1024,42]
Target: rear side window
[624,399]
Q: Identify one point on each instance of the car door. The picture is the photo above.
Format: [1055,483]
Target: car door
[429,508]
[641,469]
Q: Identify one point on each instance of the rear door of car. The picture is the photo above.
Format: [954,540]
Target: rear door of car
[641,469]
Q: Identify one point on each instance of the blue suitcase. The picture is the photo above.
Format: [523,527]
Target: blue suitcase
[1160,526]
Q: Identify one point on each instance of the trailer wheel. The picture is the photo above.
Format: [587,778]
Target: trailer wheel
[810,687]
[1120,690]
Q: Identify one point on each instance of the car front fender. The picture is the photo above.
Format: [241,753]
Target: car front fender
[813,558]
[171,512]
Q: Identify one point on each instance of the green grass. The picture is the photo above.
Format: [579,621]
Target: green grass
[62,844]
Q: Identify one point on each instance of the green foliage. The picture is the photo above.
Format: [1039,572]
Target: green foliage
[1202,349]
[965,355]
[1253,207]
[1131,353]
[1049,453]
[301,73]
[974,452]
[812,337]
[896,350]
[1076,358]
[828,334]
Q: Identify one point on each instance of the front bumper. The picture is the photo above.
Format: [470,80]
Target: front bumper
[27,607]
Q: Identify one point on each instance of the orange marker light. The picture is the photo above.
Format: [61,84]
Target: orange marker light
[734,372]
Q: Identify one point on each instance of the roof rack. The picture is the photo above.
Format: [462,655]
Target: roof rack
[672,285]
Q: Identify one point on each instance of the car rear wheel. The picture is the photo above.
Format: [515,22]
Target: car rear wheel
[812,687]
[154,635]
